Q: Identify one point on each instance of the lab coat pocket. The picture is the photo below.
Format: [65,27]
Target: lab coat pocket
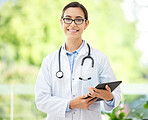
[87,79]
[94,107]
[91,115]
[54,117]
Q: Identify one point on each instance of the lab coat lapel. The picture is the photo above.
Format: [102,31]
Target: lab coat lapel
[64,59]
[83,51]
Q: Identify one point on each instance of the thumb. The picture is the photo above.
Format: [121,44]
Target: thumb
[108,88]
[84,96]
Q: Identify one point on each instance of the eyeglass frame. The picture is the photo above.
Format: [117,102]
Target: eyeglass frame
[73,20]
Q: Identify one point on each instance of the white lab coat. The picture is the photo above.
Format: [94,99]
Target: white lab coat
[52,94]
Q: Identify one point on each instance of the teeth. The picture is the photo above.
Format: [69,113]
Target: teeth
[72,30]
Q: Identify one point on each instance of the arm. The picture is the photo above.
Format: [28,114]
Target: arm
[45,102]
[106,74]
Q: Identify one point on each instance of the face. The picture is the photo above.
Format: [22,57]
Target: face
[74,31]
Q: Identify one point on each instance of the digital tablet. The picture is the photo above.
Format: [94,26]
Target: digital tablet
[112,86]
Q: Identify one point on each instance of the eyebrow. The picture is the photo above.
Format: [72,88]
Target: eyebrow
[76,16]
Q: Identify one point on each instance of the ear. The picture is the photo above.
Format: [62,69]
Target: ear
[61,21]
[86,24]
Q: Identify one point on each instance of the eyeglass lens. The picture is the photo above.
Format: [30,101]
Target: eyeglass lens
[69,21]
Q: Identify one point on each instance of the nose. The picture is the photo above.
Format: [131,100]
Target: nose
[73,23]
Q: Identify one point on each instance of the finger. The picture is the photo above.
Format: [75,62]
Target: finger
[93,90]
[92,101]
[89,99]
[84,96]
[96,90]
[90,89]
[108,88]
[95,94]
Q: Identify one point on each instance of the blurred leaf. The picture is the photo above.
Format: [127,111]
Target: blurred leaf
[121,115]
[146,105]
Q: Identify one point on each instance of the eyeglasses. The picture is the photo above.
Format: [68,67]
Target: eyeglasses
[77,21]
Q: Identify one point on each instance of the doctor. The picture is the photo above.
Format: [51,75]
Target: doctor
[67,75]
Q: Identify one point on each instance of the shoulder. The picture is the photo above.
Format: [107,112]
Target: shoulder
[50,57]
[98,54]
[100,58]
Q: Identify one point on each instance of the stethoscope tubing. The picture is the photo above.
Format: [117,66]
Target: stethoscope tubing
[60,74]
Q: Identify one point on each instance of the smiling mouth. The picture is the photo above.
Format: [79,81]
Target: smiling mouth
[73,31]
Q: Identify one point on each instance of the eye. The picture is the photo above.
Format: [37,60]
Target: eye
[78,20]
[68,19]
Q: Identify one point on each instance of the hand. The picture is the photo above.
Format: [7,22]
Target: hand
[100,93]
[80,102]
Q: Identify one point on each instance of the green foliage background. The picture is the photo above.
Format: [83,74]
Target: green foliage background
[30,29]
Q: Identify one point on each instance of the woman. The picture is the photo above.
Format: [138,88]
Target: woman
[68,76]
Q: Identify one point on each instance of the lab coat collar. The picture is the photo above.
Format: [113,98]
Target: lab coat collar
[77,51]
[83,50]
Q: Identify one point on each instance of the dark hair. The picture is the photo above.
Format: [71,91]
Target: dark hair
[75,4]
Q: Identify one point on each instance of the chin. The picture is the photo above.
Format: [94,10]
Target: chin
[72,37]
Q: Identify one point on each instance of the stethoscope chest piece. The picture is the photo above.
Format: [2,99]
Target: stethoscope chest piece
[59,74]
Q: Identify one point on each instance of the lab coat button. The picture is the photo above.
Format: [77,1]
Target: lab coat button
[72,78]
[73,95]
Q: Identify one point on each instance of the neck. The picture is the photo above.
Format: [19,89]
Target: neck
[72,45]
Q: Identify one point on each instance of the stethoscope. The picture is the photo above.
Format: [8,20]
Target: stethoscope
[60,73]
